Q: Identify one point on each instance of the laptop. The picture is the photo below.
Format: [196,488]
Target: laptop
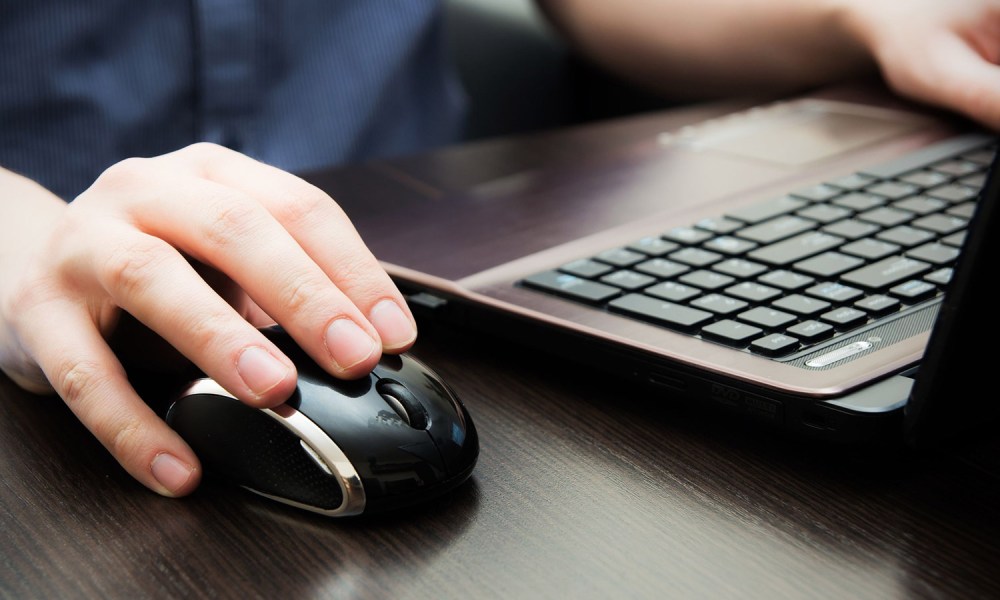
[813,264]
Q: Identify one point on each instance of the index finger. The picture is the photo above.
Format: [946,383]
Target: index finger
[324,231]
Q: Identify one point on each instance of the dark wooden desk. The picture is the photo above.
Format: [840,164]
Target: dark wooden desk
[584,488]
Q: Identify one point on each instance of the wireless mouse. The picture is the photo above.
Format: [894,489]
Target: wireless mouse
[395,438]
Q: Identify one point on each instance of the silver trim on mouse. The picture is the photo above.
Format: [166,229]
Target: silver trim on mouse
[317,444]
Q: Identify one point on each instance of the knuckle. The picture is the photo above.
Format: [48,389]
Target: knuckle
[299,292]
[359,273]
[124,437]
[203,330]
[303,204]
[123,174]
[80,385]
[77,381]
[204,149]
[129,267]
[204,158]
[231,221]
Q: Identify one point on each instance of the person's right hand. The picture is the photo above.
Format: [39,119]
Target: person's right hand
[945,53]
[138,240]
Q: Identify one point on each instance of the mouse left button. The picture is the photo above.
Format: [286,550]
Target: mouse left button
[256,450]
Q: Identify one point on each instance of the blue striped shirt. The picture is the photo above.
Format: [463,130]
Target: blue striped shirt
[298,84]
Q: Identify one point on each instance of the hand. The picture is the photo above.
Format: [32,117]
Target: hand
[943,53]
[141,240]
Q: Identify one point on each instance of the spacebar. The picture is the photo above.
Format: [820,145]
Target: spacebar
[668,314]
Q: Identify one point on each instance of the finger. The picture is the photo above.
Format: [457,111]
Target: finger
[153,282]
[86,374]
[235,235]
[324,231]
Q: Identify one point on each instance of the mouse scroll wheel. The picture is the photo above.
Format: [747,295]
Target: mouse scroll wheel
[403,402]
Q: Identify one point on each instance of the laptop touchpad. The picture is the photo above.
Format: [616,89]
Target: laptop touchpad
[796,134]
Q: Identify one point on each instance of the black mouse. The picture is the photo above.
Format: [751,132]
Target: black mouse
[398,437]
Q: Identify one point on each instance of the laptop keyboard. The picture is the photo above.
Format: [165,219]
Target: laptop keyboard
[782,275]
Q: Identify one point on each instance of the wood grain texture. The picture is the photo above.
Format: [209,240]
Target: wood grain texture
[584,489]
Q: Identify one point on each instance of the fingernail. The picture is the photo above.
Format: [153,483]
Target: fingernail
[392,324]
[171,472]
[260,370]
[348,344]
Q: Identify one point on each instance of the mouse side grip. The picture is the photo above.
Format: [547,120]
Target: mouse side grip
[253,450]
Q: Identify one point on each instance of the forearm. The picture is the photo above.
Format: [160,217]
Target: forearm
[695,49]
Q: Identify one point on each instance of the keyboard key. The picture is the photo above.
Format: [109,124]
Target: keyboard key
[719,225]
[854,181]
[885,216]
[878,305]
[886,272]
[777,229]
[662,268]
[796,248]
[731,332]
[706,280]
[776,344]
[729,245]
[673,291]
[668,314]
[828,265]
[696,257]
[921,205]
[858,201]
[964,210]
[913,290]
[940,224]
[936,254]
[851,229]
[818,193]
[802,305]
[653,246]
[905,236]
[870,249]
[753,292]
[824,213]
[621,257]
[953,193]
[628,280]
[586,268]
[767,318]
[687,235]
[766,210]
[834,292]
[893,189]
[786,280]
[571,286]
[738,267]
[719,304]
[925,179]
[811,331]
[956,239]
[941,277]
[845,317]
[956,168]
